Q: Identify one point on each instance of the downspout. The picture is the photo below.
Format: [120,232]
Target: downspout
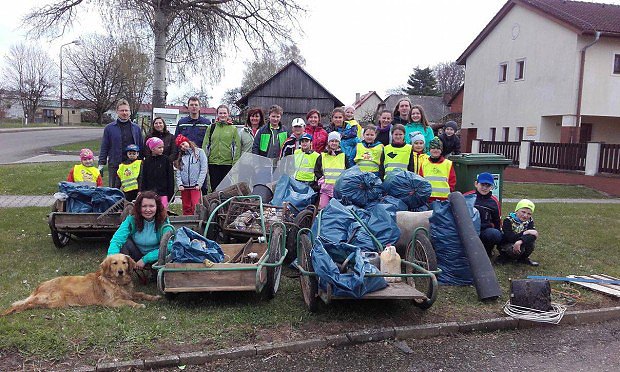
[597,36]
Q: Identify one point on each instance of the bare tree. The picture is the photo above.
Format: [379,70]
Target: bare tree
[29,72]
[449,76]
[94,73]
[190,33]
[137,72]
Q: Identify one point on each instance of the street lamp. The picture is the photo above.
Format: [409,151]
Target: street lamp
[76,42]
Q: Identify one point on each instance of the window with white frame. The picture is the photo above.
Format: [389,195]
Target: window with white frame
[503,72]
[617,64]
[520,69]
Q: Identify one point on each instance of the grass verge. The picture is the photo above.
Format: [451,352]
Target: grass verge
[519,190]
[211,321]
[94,145]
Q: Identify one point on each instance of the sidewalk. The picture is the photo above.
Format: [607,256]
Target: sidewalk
[18,201]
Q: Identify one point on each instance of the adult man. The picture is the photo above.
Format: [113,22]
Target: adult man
[193,126]
[116,137]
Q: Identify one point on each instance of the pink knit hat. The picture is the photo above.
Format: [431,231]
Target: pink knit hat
[154,142]
[86,154]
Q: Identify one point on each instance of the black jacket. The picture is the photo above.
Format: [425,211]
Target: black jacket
[157,175]
[451,145]
[489,208]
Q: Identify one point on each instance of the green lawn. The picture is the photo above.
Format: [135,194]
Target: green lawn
[202,321]
[33,179]
[94,145]
[519,190]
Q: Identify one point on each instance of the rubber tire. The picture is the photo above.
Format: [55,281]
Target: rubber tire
[304,218]
[309,284]
[422,251]
[60,239]
[274,273]
[163,248]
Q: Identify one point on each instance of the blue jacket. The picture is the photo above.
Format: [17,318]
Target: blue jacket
[193,129]
[111,143]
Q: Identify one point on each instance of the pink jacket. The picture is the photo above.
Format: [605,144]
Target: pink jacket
[319,137]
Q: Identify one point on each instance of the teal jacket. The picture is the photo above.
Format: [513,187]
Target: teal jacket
[427,132]
[223,146]
[127,229]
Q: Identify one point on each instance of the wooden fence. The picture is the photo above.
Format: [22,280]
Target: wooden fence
[569,156]
[509,149]
[609,161]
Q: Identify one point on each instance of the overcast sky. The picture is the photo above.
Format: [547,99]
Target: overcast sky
[350,46]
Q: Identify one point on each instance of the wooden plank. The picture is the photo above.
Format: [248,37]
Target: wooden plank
[605,277]
[191,266]
[209,279]
[595,287]
[394,291]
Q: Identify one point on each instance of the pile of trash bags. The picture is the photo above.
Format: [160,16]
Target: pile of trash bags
[190,246]
[87,199]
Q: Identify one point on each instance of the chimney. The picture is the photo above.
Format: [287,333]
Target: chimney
[357,97]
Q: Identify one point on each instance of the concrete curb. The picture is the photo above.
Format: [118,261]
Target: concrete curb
[352,338]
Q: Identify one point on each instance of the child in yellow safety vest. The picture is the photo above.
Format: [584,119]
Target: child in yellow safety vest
[418,142]
[85,173]
[305,161]
[368,152]
[129,172]
[328,168]
[439,172]
[397,154]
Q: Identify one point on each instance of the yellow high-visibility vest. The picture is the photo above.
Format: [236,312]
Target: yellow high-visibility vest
[85,175]
[418,160]
[304,163]
[333,166]
[368,159]
[396,157]
[437,174]
[128,174]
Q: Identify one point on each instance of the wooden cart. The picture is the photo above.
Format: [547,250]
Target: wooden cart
[419,270]
[238,273]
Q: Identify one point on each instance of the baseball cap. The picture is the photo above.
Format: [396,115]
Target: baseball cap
[485,177]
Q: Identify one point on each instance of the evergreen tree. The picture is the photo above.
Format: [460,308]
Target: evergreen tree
[422,83]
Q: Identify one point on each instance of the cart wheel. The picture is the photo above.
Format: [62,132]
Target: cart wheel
[60,239]
[128,210]
[163,248]
[161,286]
[214,229]
[273,273]
[424,255]
[304,218]
[309,284]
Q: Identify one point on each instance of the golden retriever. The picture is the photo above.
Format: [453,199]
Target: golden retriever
[110,286]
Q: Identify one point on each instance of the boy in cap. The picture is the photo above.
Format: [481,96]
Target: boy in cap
[293,142]
[86,173]
[439,172]
[519,235]
[490,211]
[328,168]
[129,172]
[305,161]
[451,142]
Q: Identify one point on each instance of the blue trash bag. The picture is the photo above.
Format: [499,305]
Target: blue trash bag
[352,284]
[338,225]
[393,204]
[87,199]
[298,194]
[381,223]
[357,187]
[189,246]
[451,257]
[409,187]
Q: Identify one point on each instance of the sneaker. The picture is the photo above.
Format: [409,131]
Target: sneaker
[528,261]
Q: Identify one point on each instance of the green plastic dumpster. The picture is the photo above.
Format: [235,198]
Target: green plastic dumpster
[468,166]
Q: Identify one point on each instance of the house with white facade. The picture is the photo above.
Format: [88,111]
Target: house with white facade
[547,71]
[366,106]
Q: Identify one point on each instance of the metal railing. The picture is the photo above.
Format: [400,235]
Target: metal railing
[509,149]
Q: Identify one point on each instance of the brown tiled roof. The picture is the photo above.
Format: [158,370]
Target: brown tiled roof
[582,17]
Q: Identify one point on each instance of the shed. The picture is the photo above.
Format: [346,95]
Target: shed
[295,91]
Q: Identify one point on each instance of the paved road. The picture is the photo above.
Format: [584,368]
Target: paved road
[18,146]
[590,347]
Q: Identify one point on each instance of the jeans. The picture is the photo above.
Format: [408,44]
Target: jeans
[490,237]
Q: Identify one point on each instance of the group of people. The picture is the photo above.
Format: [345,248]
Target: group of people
[201,150]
